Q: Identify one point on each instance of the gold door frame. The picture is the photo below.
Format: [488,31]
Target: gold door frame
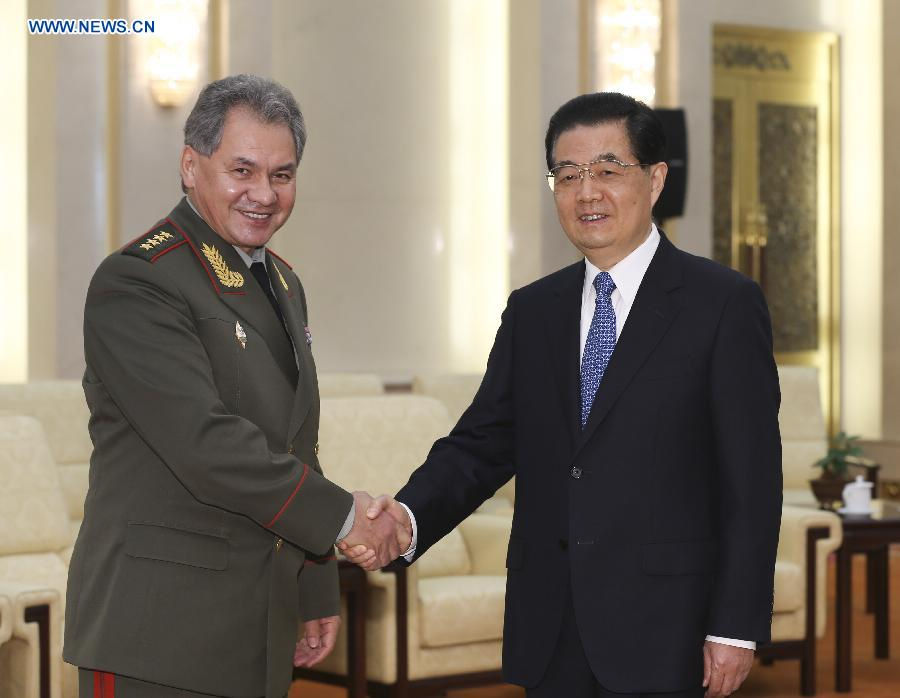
[791,68]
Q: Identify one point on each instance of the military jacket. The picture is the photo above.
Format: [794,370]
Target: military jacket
[209,527]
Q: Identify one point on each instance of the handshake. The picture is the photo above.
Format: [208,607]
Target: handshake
[382,532]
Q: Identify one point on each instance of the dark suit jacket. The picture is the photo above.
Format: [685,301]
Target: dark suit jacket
[661,516]
[208,525]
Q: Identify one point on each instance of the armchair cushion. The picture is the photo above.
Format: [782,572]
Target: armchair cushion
[60,407]
[487,539]
[374,443]
[460,610]
[802,426]
[447,557]
[33,514]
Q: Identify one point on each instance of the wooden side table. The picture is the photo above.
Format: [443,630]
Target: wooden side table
[872,536]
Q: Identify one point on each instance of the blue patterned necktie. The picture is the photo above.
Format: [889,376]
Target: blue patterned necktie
[599,345]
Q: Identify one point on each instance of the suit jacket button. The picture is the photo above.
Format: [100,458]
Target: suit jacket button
[291,449]
[563,544]
[576,472]
[278,544]
[317,448]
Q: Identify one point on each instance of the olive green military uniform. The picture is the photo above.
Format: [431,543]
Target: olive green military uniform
[209,528]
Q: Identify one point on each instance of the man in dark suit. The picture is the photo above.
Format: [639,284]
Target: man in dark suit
[207,542]
[635,398]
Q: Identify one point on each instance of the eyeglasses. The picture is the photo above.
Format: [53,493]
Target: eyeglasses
[609,170]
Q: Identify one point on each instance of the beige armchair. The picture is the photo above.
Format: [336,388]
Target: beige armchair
[808,536]
[60,407]
[455,391]
[34,529]
[349,384]
[803,435]
[438,623]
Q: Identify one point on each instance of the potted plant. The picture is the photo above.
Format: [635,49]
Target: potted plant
[829,486]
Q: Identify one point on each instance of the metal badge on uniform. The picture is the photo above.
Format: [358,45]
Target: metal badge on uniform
[308,335]
[240,335]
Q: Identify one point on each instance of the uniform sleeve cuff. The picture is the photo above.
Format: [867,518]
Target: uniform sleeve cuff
[348,523]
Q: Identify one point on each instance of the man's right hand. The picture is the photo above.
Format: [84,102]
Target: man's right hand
[382,538]
[384,508]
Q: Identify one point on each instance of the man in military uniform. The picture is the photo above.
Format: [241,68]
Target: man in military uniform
[208,535]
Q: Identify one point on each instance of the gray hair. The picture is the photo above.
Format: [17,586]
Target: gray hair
[271,102]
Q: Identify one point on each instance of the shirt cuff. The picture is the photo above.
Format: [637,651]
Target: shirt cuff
[348,523]
[411,553]
[746,644]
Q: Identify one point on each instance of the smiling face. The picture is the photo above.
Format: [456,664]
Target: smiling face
[608,216]
[245,189]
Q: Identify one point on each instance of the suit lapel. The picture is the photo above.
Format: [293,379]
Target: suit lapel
[234,283]
[307,389]
[564,330]
[650,317]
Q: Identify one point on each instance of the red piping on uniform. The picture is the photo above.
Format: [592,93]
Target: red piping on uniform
[173,247]
[291,498]
[280,258]
[104,685]
[196,252]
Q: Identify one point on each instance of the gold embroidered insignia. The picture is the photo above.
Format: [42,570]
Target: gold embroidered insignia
[240,335]
[281,278]
[227,277]
[157,239]
[152,247]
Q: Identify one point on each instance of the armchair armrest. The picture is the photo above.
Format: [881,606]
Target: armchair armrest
[801,528]
[795,522]
[6,618]
[35,611]
[487,538]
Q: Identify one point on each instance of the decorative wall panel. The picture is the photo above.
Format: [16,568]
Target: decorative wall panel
[787,191]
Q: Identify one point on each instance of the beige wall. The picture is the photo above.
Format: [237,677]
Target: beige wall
[81,120]
[891,311]
[374,249]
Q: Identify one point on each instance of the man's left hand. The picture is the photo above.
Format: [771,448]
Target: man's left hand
[318,640]
[724,668]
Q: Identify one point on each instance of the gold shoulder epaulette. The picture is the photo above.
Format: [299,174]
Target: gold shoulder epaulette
[152,245]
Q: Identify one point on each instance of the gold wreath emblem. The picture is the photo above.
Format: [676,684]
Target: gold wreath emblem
[227,277]
[281,278]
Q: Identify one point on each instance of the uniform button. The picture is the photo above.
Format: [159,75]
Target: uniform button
[291,450]
[563,544]
[317,449]
[278,544]
[576,472]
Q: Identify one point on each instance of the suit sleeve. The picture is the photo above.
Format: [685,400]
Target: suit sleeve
[320,594]
[141,341]
[466,467]
[745,398]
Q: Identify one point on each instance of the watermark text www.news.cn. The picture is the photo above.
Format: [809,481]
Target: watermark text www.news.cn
[91,26]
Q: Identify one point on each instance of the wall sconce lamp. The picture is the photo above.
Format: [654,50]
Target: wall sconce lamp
[173,60]
[626,41]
